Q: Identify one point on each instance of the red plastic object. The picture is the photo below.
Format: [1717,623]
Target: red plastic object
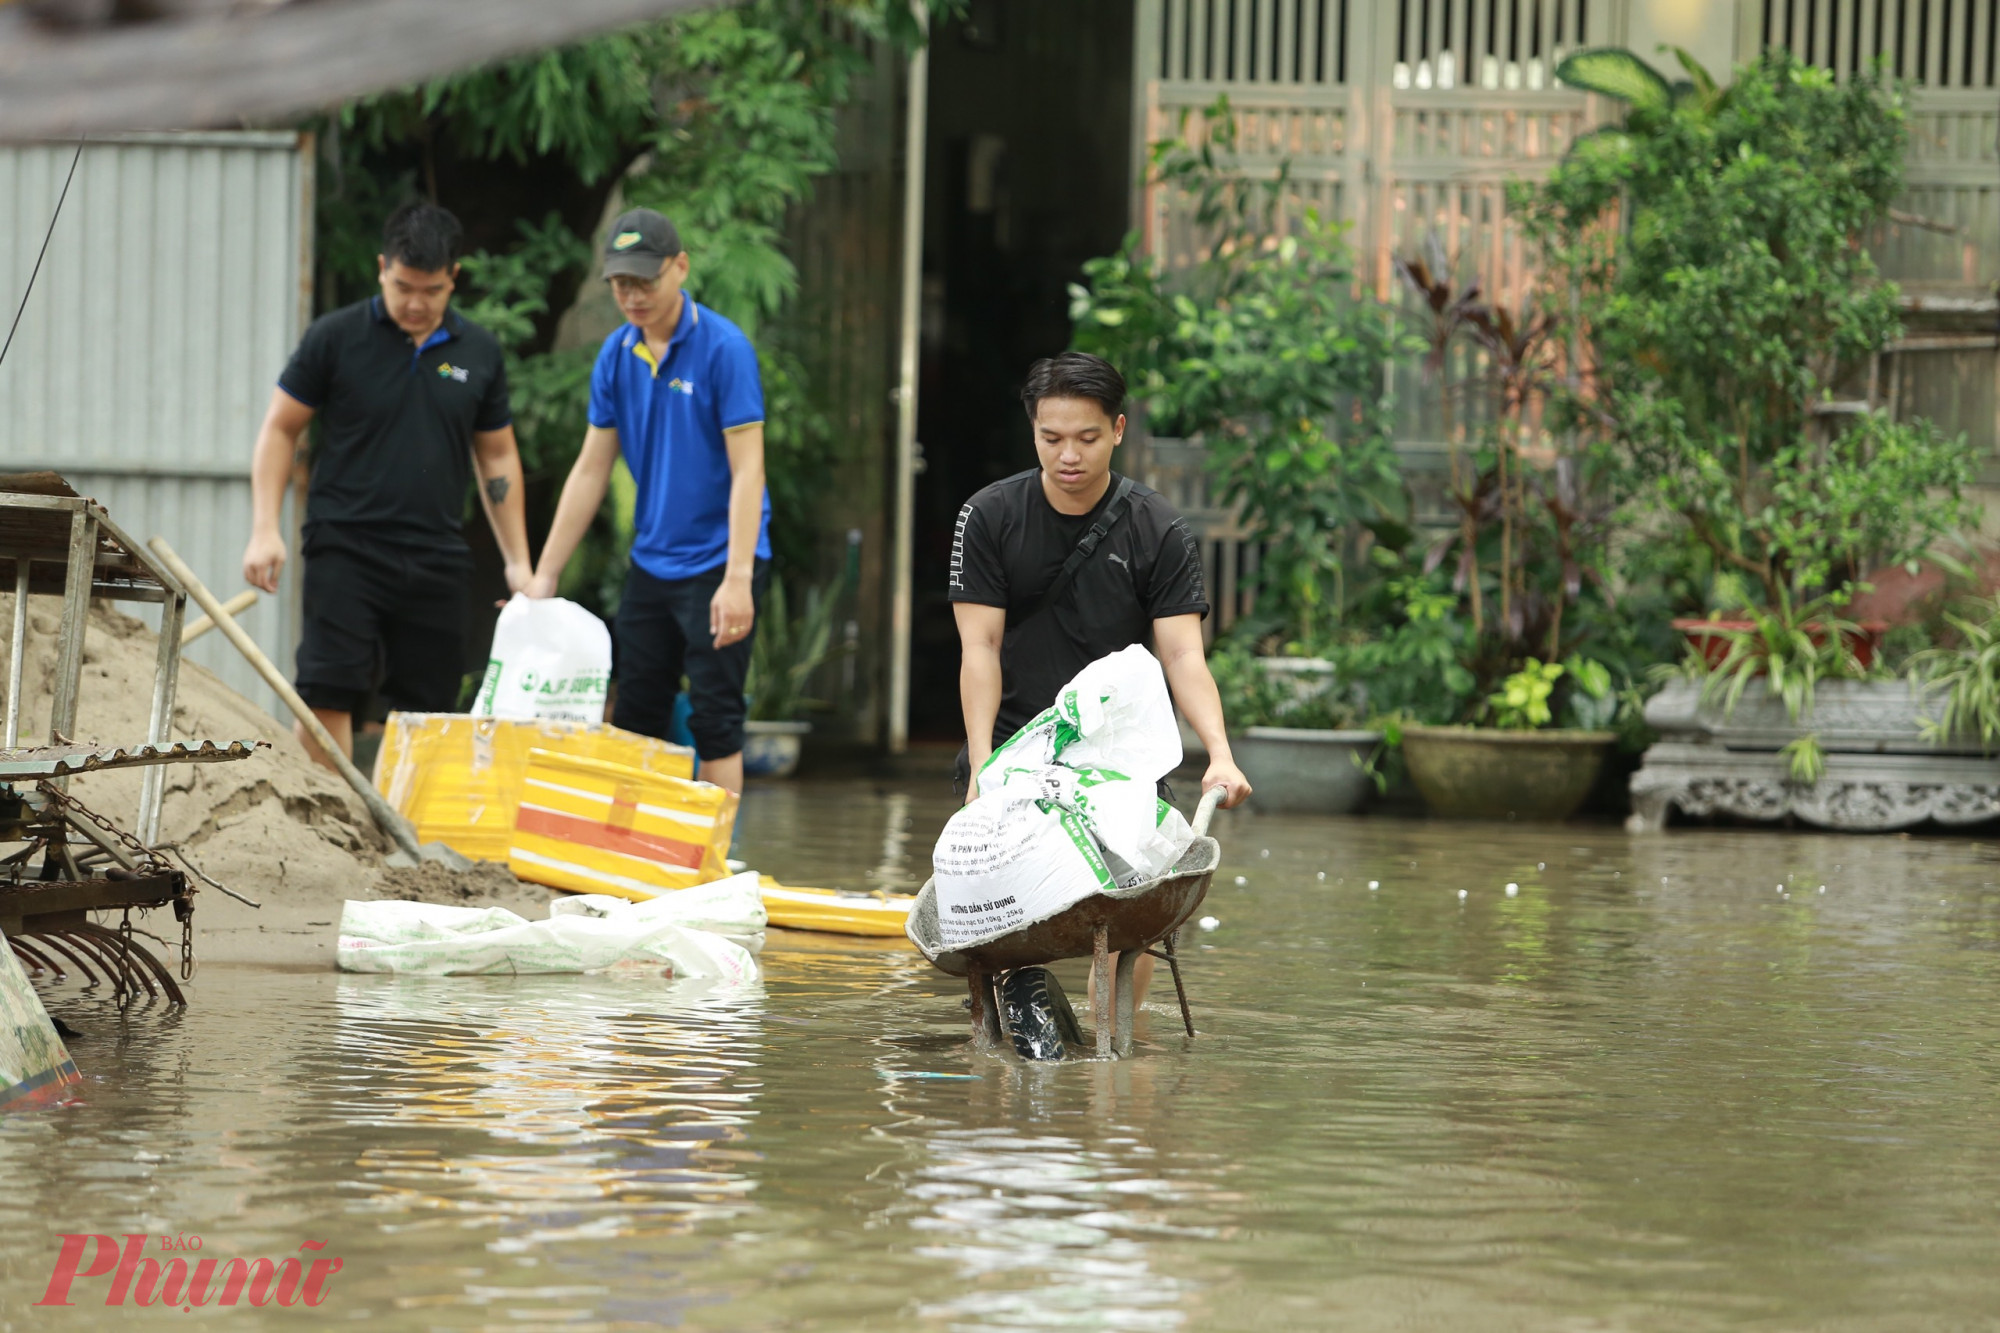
[1715,646]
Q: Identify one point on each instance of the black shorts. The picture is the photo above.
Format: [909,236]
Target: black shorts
[661,634]
[389,614]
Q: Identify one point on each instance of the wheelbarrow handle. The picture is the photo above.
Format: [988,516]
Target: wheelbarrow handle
[1203,812]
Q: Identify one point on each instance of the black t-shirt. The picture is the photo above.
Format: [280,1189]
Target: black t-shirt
[1008,551]
[396,424]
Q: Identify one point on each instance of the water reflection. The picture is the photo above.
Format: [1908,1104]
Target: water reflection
[1668,1084]
[1045,1232]
[628,1110]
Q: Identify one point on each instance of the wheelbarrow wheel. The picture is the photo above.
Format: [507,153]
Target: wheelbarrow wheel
[1037,1015]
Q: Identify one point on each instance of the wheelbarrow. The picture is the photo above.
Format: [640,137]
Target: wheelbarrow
[1143,919]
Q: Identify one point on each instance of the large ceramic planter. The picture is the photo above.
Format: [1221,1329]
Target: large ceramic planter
[771,749]
[1294,771]
[1881,774]
[1482,773]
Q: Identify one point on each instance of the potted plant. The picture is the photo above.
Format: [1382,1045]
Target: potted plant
[1294,731]
[1726,309]
[783,657]
[1263,355]
[1521,731]
[1518,765]
[1961,679]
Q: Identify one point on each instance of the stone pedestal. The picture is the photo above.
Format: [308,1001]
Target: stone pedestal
[1880,773]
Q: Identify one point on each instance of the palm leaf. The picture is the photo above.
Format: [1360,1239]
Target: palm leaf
[1616,72]
[1699,80]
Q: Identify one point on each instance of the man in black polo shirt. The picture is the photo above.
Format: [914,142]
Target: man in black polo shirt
[1142,582]
[411,398]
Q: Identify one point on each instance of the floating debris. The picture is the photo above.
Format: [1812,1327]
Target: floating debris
[1513,890]
[1208,923]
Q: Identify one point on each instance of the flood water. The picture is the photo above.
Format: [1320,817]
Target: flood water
[1670,1084]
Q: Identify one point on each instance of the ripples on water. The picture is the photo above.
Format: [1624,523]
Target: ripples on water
[1668,1085]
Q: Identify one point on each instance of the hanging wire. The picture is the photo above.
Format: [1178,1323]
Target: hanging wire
[46,238]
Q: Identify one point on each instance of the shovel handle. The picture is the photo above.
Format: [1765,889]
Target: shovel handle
[399,830]
[1206,810]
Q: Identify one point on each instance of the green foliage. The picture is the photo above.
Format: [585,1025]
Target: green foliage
[1616,72]
[1262,351]
[1593,703]
[1255,696]
[1966,674]
[720,117]
[1535,505]
[551,391]
[1522,703]
[788,650]
[1791,647]
[1412,662]
[1716,243]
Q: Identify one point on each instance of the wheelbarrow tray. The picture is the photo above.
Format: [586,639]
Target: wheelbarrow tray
[1133,919]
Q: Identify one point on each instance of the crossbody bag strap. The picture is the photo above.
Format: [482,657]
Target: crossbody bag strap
[1086,546]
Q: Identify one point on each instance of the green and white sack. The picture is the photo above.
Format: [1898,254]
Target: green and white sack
[1003,864]
[1066,807]
[551,659]
[1114,714]
[1139,835]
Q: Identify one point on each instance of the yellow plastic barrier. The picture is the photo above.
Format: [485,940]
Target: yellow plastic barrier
[595,827]
[459,778]
[835,912]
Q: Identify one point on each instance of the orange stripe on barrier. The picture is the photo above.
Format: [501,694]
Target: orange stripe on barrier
[593,833]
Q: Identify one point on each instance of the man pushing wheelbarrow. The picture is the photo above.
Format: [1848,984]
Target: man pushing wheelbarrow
[1067,563]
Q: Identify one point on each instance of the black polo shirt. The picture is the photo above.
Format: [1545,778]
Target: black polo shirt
[1008,552]
[394,456]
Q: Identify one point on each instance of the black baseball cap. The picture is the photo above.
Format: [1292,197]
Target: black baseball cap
[640,241]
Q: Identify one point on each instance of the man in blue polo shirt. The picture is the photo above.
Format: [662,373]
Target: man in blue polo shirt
[677,392]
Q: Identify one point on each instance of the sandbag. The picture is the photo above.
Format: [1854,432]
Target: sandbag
[1139,835]
[1115,714]
[1003,864]
[1066,807]
[583,934]
[550,659]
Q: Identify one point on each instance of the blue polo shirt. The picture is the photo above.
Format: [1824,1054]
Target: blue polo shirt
[670,417]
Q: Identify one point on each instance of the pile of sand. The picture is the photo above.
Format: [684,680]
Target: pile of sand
[275,827]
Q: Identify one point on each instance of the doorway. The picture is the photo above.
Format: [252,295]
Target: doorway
[1027,175]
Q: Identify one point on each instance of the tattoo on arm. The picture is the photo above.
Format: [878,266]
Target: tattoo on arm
[497,488]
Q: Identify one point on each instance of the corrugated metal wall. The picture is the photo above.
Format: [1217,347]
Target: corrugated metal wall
[171,295]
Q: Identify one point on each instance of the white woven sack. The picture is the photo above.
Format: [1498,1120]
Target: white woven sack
[1114,714]
[1003,864]
[587,934]
[551,659]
